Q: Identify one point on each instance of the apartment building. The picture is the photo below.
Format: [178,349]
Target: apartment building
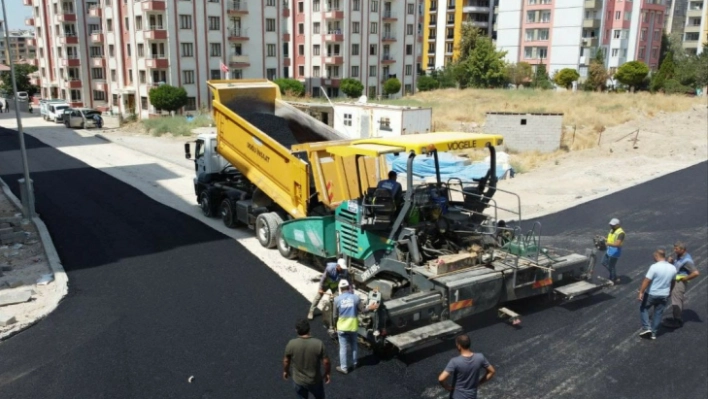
[443,27]
[368,40]
[695,31]
[19,46]
[567,33]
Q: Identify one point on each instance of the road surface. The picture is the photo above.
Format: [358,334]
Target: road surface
[157,296]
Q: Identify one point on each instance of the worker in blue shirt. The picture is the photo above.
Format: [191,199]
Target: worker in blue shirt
[334,272]
[392,185]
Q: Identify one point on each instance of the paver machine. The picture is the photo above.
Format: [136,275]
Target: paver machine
[440,254]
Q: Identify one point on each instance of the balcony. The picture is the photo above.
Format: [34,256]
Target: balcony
[334,59]
[71,61]
[239,61]
[153,5]
[66,16]
[157,61]
[32,42]
[286,36]
[97,37]
[591,23]
[480,24]
[590,42]
[236,7]
[331,82]
[389,16]
[593,4]
[238,34]
[36,81]
[69,38]
[95,12]
[476,6]
[287,61]
[72,83]
[156,32]
[286,9]
[334,13]
[76,104]
[98,62]
[29,21]
[388,38]
[334,36]
[387,59]
[99,84]
[28,2]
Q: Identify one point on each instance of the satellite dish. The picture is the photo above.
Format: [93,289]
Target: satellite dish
[362,100]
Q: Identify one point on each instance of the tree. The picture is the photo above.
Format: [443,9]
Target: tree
[22,78]
[486,65]
[632,73]
[291,87]
[351,87]
[540,78]
[565,77]
[168,98]
[702,70]
[597,74]
[392,86]
[520,73]
[666,72]
[427,83]
[445,76]
[468,42]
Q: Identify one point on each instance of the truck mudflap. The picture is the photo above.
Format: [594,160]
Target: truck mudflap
[572,290]
[424,334]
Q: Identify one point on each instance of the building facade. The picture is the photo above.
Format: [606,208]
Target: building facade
[19,46]
[442,28]
[695,30]
[108,54]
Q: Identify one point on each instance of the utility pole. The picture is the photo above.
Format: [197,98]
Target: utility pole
[28,201]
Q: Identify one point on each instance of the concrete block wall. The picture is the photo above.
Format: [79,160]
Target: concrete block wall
[526,131]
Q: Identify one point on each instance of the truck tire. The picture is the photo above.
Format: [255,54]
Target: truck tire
[207,205]
[267,227]
[285,250]
[226,210]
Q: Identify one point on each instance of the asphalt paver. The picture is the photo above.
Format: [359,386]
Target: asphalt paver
[157,297]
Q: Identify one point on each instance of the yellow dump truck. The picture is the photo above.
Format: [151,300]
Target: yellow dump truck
[267,161]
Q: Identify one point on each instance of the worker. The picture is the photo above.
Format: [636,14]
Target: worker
[392,185]
[685,271]
[347,307]
[306,353]
[654,292]
[615,239]
[334,272]
[465,370]
[98,121]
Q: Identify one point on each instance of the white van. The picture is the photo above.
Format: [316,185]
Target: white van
[22,96]
[55,112]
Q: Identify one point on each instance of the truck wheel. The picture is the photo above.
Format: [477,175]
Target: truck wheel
[227,213]
[285,250]
[267,227]
[205,202]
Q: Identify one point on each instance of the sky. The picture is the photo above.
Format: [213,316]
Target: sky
[17,13]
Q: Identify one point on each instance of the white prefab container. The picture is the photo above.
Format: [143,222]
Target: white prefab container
[378,120]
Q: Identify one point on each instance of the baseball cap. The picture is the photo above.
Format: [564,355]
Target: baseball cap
[614,222]
[343,284]
[342,263]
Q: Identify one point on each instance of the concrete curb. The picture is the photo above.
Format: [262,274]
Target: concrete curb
[61,280]
[102,137]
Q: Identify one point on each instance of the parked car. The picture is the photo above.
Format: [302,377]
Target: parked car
[82,117]
[65,116]
[22,96]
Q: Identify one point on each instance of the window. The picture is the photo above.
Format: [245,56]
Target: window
[127,23]
[628,16]
[300,29]
[543,35]
[657,34]
[270,48]
[236,74]
[374,28]
[385,124]
[270,3]
[114,76]
[187,50]
[316,71]
[96,51]
[142,77]
[99,95]
[130,76]
[316,28]
[214,23]
[109,25]
[355,27]
[372,70]
[409,70]
[372,49]
[347,119]
[97,73]
[355,71]
[529,35]
[215,73]
[655,52]
[410,9]
[139,23]
[618,14]
[357,5]
[301,49]
[316,49]
[271,73]
[93,28]
[188,77]
[355,49]
[528,52]
[531,16]
[270,24]
[144,103]
[643,35]
[300,7]
[185,22]
[315,5]
[545,16]
[616,34]
[409,49]
[191,104]
[374,6]
[543,52]
[301,70]
[615,52]
[409,29]
[215,49]
[141,50]
[127,50]
[75,95]
[642,52]
[408,89]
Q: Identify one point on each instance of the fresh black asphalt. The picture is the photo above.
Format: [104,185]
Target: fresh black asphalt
[156,297]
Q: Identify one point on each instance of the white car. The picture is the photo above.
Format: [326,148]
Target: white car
[22,96]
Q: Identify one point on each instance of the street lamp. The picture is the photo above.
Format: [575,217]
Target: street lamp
[28,192]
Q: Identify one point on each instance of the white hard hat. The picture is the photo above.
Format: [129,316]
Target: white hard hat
[614,222]
[342,263]
[343,284]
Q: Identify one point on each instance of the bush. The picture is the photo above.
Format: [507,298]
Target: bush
[426,83]
[632,73]
[565,77]
[168,98]
[290,87]
[175,125]
[392,86]
[351,87]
